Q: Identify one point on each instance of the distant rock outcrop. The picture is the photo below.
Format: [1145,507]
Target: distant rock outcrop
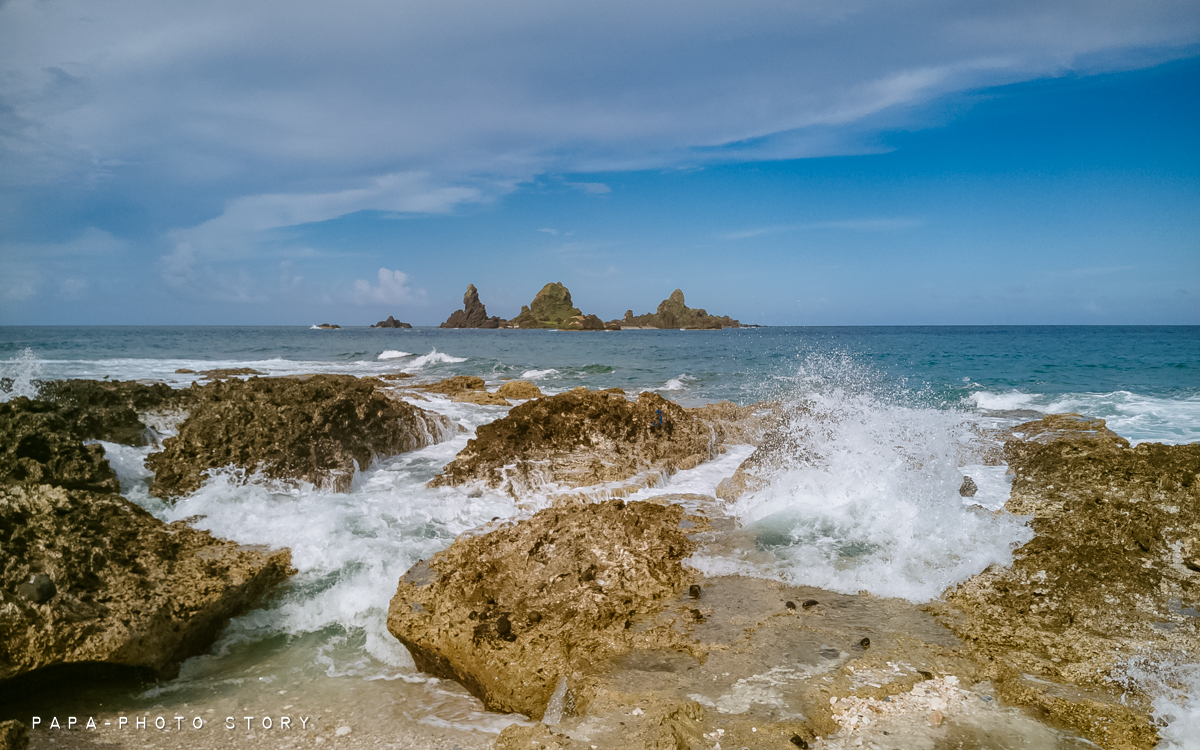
[391,323]
[673,313]
[550,309]
[328,326]
[473,314]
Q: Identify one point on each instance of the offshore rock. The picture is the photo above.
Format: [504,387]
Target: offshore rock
[511,613]
[89,578]
[582,438]
[673,313]
[582,323]
[391,323]
[473,314]
[39,444]
[519,390]
[1105,578]
[456,384]
[315,429]
[549,309]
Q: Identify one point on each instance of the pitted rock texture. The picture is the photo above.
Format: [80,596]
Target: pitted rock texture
[549,308]
[90,577]
[581,438]
[473,314]
[14,735]
[111,410]
[510,612]
[39,445]
[313,429]
[1113,570]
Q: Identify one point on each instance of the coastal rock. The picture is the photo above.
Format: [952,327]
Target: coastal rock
[482,398]
[456,384]
[39,444]
[510,613]
[226,373]
[550,307]
[13,735]
[673,313]
[328,326]
[968,487]
[581,438]
[91,578]
[1105,579]
[391,323]
[315,429]
[111,410]
[473,314]
[519,390]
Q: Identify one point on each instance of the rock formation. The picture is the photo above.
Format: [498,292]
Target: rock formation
[393,323]
[328,326]
[586,323]
[314,429]
[510,613]
[1110,575]
[581,438]
[473,314]
[673,313]
[519,390]
[92,578]
[88,578]
[549,309]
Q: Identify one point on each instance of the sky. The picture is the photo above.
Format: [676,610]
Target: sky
[807,162]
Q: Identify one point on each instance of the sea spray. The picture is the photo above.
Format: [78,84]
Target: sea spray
[861,493]
[20,375]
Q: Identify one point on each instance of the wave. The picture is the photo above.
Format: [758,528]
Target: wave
[538,374]
[1134,416]
[393,354]
[1009,401]
[434,357]
[679,383]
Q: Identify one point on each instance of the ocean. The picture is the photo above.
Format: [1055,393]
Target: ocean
[869,519]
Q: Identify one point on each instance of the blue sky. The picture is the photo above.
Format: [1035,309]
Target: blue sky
[784,163]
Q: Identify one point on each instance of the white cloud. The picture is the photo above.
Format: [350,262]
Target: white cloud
[859,225]
[392,289]
[591,188]
[549,231]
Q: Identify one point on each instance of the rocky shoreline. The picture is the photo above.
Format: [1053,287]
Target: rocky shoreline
[585,616]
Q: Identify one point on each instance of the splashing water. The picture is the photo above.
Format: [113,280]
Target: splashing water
[19,376]
[858,492]
[1174,685]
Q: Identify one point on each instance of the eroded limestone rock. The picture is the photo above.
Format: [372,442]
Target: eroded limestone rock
[314,429]
[581,438]
[509,613]
[38,444]
[90,577]
[519,390]
[1105,577]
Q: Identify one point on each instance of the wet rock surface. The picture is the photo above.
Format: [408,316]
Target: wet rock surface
[1105,578]
[111,410]
[510,613]
[314,429]
[38,444]
[519,390]
[89,577]
[582,438]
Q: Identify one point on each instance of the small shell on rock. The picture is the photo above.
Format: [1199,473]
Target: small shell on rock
[810,603]
[694,591]
[790,605]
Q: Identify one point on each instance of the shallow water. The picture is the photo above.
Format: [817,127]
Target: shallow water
[873,506]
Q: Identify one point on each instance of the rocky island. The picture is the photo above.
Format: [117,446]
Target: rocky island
[473,314]
[673,313]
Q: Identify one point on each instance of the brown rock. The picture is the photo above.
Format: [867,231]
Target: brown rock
[456,384]
[582,323]
[1099,582]
[313,429]
[473,314]
[39,444]
[114,411]
[391,323]
[13,735]
[226,373]
[673,313]
[581,438]
[92,578]
[483,398]
[584,571]
[519,390]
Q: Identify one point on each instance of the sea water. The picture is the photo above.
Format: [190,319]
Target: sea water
[880,414]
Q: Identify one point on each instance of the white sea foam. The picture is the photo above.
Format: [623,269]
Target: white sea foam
[679,383]
[539,374]
[393,354]
[1009,401]
[1173,681]
[867,498]
[434,357]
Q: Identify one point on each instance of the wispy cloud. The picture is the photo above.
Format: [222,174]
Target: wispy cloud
[855,225]
[591,188]
[547,230]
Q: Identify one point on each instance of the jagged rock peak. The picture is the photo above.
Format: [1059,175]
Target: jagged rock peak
[473,314]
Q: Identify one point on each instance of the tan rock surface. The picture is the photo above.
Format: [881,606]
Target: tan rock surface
[1106,577]
[89,577]
[583,438]
[519,390]
[313,429]
[510,613]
